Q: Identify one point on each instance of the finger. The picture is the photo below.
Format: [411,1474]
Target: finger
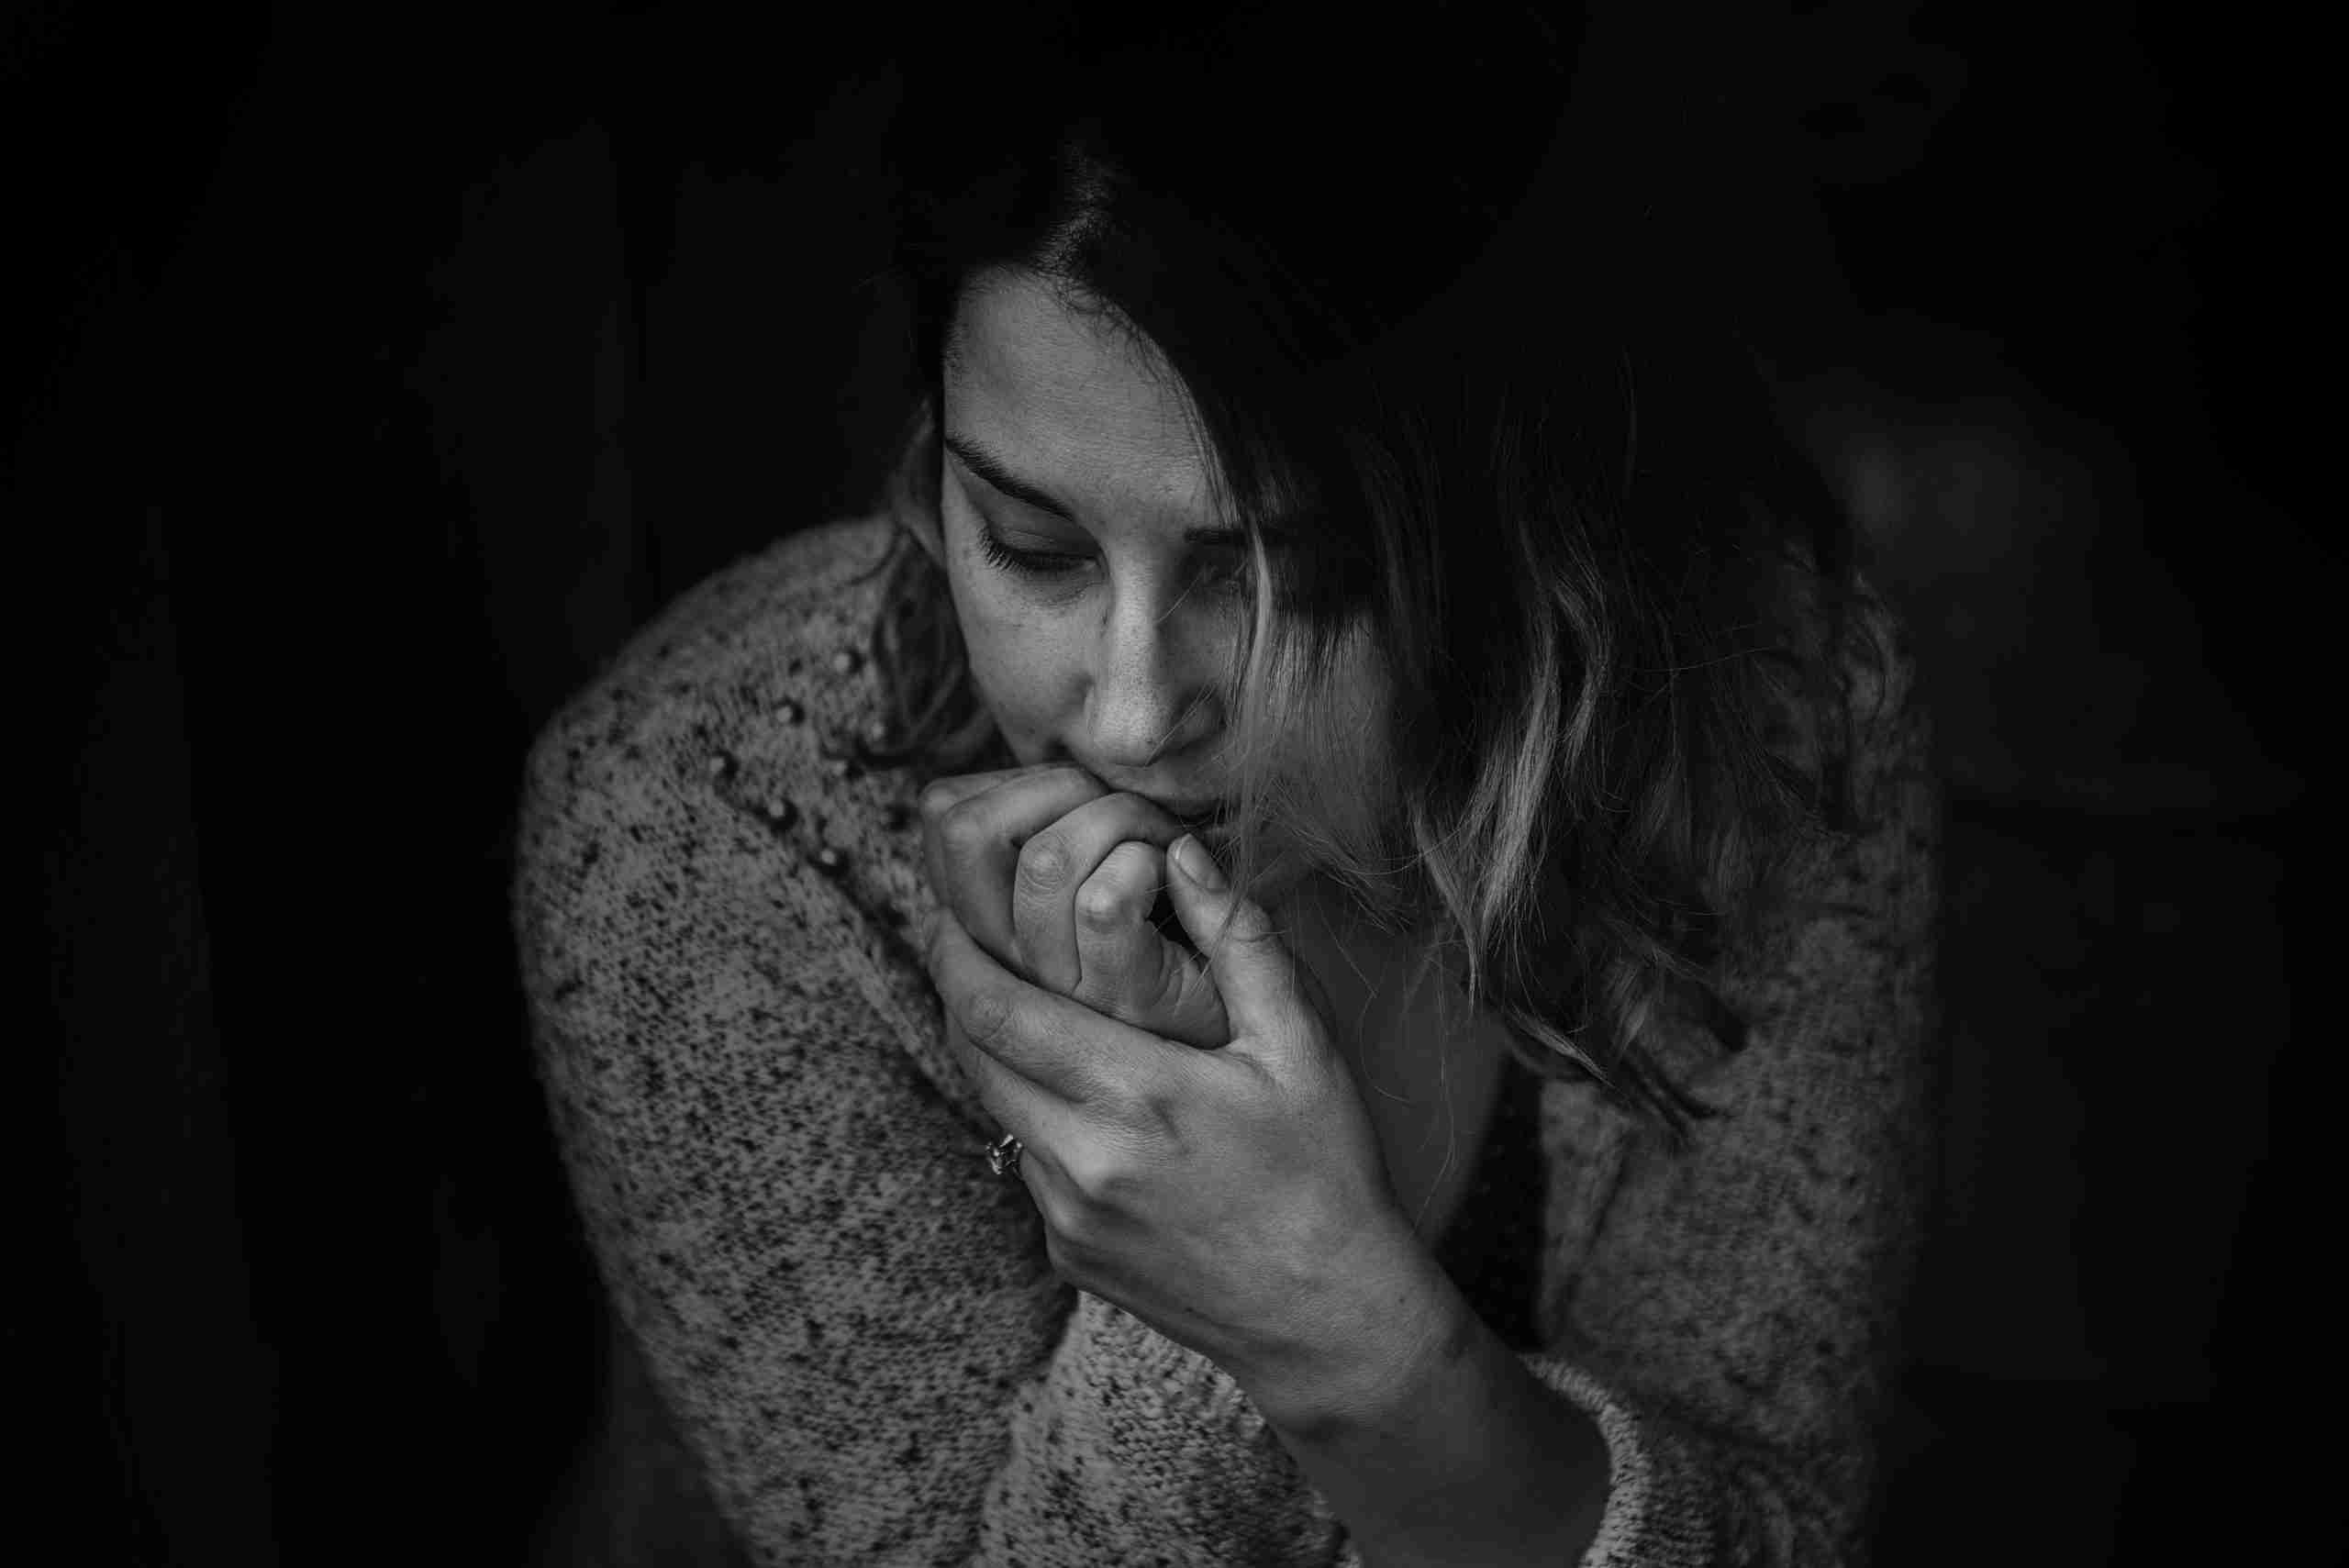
[1130,970]
[942,794]
[1263,987]
[1012,1104]
[973,839]
[972,986]
[1062,859]
[1050,1056]
[1112,916]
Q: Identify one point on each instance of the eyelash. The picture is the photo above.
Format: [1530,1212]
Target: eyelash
[1024,562]
[1038,564]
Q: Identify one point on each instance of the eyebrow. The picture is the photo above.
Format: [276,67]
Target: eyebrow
[999,477]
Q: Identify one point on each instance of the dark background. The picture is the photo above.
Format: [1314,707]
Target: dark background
[374,372]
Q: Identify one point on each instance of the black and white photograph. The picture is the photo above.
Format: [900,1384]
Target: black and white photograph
[1032,783]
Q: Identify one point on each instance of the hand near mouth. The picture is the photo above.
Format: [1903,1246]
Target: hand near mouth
[1063,882]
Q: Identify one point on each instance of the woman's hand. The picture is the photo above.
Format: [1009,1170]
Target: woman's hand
[1055,877]
[1233,1199]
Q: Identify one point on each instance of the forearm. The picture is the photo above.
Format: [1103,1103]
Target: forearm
[1466,1457]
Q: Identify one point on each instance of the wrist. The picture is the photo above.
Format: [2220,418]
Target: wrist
[1400,1320]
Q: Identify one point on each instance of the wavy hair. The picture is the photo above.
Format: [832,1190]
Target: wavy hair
[1543,500]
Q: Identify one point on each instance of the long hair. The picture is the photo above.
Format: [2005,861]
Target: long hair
[1543,504]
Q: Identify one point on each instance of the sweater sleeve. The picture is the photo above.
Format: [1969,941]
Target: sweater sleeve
[833,1299]
[1730,1316]
[854,1327]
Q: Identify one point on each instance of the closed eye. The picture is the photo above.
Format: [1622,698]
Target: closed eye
[1025,563]
[1232,567]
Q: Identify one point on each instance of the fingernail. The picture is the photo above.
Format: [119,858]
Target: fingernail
[1198,864]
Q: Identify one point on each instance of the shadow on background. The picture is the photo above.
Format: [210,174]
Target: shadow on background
[381,377]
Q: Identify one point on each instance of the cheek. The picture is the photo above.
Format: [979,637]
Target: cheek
[1012,661]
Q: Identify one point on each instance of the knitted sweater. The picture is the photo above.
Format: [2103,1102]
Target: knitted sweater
[855,1326]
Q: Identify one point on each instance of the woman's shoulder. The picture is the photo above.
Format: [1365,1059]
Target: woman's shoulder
[733,716]
[778,634]
[698,841]
[709,774]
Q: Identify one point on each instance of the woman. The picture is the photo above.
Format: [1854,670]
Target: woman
[1314,947]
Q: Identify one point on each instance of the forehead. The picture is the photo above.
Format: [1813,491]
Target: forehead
[1070,399]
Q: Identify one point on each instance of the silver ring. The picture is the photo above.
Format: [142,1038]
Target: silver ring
[1003,1155]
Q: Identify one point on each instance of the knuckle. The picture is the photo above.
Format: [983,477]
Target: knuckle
[937,800]
[1045,863]
[1101,908]
[1096,1176]
[960,832]
[988,1018]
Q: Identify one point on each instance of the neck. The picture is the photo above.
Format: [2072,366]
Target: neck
[1373,979]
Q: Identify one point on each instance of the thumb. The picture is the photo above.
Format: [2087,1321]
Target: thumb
[1263,990]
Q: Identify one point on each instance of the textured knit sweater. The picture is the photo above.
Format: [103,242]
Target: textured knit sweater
[854,1326]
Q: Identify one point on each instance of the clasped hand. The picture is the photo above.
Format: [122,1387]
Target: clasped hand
[1195,1144]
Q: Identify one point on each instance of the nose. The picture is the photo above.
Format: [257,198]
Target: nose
[1154,696]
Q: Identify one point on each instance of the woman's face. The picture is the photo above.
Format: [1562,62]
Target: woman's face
[1100,597]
